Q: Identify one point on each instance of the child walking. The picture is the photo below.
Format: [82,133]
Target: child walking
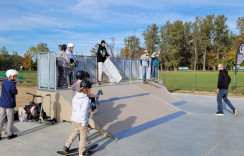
[8,102]
[80,107]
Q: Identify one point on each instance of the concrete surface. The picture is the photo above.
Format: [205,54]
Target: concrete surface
[198,133]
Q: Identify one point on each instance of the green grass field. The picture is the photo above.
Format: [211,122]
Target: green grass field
[30,76]
[203,81]
[174,81]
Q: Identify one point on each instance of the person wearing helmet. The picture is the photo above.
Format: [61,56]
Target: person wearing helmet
[79,77]
[8,101]
[102,55]
[69,52]
[63,62]
[79,117]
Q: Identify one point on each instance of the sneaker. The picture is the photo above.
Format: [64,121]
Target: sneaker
[12,136]
[235,112]
[219,113]
[153,79]
[0,137]
[66,150]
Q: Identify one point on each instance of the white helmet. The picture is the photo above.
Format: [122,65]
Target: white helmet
[70,45]
[11,72]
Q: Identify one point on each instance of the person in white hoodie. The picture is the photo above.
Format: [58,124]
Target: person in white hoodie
[79,117]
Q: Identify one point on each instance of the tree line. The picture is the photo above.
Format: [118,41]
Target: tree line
[200,44]
[15,61]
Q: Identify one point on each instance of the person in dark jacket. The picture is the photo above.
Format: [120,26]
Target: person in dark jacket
[222,90]
[102,55]
[8,102]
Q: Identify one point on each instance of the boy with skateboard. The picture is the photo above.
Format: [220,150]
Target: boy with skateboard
[8,102]
[80,107]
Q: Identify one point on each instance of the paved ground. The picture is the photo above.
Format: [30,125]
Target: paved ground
[198,133]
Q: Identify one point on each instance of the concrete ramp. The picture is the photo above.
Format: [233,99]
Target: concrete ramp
[131,108]
[126,109]
[159,90]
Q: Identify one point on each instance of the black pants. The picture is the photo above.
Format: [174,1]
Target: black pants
[63,72]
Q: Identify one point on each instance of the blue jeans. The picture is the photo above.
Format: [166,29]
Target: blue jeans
[144,73]
[223,95]
[154,72]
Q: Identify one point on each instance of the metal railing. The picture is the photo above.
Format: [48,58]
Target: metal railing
[129,68]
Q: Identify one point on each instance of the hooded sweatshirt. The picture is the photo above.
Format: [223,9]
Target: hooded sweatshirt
[80,107]
[63,59]
[101,53]
[9,91]
[223,80]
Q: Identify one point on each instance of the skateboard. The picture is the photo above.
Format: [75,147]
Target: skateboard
[89,151]
[95,102]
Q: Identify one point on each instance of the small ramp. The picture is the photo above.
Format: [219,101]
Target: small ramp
[127,109]
[159,90]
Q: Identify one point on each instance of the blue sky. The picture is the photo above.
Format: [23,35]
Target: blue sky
[25,23]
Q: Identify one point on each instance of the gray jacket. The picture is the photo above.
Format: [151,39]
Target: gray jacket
[144,60]
[63,59]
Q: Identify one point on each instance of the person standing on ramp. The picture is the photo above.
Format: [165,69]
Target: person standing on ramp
[222,91]
[144,61]
[70,54]
[102,55]
[63,62]
[154,65]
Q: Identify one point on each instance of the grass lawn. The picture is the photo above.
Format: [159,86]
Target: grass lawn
[174,81]
[203,81]
[30,76]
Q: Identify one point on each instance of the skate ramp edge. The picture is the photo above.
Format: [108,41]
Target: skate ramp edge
[145,126]
[125,110]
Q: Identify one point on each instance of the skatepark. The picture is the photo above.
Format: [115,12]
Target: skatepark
[199,132]
[133,119]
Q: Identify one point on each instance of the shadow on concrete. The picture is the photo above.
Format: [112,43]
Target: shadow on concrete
[31,130]
[124,125]
[57,107]
[107,113]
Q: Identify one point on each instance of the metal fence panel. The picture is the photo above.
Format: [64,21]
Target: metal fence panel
[129,69]
[43,70]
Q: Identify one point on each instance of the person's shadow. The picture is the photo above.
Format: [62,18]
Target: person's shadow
[123,125]
[107,113]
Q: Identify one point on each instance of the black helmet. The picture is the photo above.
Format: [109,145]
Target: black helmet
[62,47]
[85,84]
[80,75]
[87,75]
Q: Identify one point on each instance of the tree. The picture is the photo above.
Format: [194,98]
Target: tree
[151,37]
[133,44]
[240,25]
[196,40]
[175,39]
[206,28]
[3,51]
[220,35]
[125,52]
[111,47]
[94,50]
[41,47]
[164,45]
[27,62]
[211,59]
